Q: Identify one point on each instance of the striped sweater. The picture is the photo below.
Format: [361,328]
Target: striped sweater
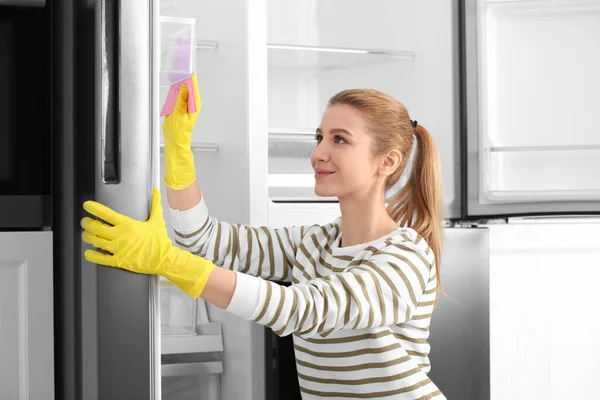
[359,315]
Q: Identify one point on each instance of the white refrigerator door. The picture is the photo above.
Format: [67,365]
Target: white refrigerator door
[530,105]
[207,353]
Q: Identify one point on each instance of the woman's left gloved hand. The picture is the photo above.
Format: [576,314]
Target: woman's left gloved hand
[142,246]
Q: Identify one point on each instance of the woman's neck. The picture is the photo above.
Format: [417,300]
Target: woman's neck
[364,220]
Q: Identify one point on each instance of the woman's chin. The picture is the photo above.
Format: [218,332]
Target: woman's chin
[324,192]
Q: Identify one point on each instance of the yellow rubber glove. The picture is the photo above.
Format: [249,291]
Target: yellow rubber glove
[177,130]
[143,247]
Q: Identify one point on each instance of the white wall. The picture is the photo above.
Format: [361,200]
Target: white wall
[544,305]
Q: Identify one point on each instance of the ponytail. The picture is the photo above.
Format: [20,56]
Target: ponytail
[419,205]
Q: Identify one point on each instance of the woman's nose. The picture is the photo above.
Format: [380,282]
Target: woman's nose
[320,153]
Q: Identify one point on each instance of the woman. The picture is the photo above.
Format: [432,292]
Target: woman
[363,286]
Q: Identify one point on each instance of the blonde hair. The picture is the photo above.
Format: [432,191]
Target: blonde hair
[419,205]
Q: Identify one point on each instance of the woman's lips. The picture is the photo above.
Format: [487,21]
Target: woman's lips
[322,173]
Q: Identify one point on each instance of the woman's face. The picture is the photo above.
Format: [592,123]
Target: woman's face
[342,159]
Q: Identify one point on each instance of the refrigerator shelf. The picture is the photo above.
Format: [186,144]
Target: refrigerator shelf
[291,143]
[583,147]
[541,173]
[544,196]
[321,58]
[291,135]
[291,131]
[194,369]
[208,339]
[198,147]
[545,6]
[207,44]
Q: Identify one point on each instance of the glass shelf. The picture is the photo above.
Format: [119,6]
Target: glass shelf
[322,58]
[291,177]
[291,142]
[208,339]
[558,148]
[541,173]
[198,147]
[554,6]
[207,44]
[292,135]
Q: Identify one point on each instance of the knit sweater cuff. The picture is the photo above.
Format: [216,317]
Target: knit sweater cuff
[189,220]
[246,295]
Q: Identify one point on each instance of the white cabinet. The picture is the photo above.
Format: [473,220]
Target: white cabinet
[26,316]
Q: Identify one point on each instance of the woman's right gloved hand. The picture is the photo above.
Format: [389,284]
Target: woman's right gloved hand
[177,130]
[142,247]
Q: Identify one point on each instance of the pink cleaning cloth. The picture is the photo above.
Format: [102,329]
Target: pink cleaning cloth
[171,99]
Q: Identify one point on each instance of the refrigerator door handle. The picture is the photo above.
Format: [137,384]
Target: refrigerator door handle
[107,46]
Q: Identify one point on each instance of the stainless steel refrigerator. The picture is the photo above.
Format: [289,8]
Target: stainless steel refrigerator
[501,156]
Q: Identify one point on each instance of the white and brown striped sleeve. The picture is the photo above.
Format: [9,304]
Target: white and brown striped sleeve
[383,289]
[258,251]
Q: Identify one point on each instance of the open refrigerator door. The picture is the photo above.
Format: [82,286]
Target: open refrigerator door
[531,132]
[190,345]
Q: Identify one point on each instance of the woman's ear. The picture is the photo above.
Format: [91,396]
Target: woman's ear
[390,163]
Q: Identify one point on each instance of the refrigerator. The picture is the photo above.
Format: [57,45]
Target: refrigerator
[510,147]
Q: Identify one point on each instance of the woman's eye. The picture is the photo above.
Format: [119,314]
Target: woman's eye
[318,138]
[340,140]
